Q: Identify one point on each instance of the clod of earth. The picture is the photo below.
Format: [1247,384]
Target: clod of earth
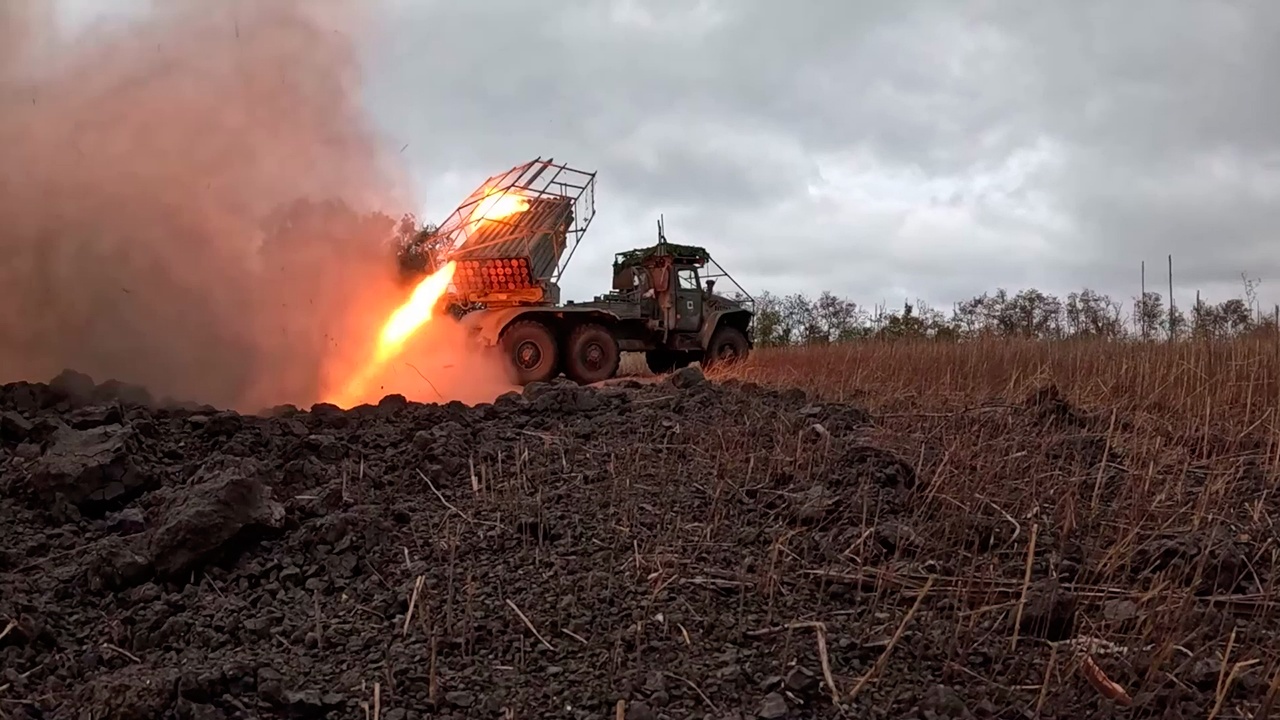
[943,702]
[14,428]
[91,469]
[216,507]
[773,706]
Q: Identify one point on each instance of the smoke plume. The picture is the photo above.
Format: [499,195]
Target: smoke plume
[145,169]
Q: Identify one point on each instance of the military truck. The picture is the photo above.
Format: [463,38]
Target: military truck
[509,241]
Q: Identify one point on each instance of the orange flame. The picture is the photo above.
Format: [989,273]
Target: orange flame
[420,307]
[415,313]
[497,205]
[400,326]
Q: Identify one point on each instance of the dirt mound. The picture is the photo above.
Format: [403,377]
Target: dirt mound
[684,548]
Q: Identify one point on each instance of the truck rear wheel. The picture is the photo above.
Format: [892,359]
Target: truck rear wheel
[728,347]
[591,354]
[531,351]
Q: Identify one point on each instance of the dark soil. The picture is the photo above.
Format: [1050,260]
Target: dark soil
[556,553]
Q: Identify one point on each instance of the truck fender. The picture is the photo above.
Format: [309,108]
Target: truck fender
[736,317]
[486,326]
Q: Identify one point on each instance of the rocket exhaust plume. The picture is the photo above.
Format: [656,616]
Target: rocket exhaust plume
[198,202]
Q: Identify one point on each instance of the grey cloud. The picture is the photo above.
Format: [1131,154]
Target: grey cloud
[725,114]
[730,168]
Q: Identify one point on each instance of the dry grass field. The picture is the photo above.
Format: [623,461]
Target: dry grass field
[1146,480]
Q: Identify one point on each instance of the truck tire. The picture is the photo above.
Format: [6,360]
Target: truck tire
[661,362]
[728,347]
[531,352]
[591,354]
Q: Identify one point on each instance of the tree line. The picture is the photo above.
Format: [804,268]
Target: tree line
[798,319]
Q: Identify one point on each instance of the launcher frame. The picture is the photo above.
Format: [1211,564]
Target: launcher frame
[517,259]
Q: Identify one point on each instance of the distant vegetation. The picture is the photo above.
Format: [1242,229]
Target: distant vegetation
[1031,314]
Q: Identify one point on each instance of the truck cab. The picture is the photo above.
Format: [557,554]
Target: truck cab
[685,315]
[665,285]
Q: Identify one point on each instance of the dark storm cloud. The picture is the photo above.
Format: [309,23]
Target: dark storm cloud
[878,149]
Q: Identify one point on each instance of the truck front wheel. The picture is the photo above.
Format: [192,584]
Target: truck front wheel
[591,354]
[728,347]
[530,348]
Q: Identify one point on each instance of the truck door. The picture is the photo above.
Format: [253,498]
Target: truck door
[646,294]
[688,300]
[663,308]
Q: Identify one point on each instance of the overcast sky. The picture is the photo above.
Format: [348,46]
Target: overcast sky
[877,149]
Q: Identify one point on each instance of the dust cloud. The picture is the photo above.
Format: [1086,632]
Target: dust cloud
[437,366]
[147,174]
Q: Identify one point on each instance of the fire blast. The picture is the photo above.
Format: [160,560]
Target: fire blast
[403,323]
[417,311]
[494,206]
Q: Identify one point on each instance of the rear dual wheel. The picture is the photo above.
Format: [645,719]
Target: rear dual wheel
[591,354]
[531,351]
